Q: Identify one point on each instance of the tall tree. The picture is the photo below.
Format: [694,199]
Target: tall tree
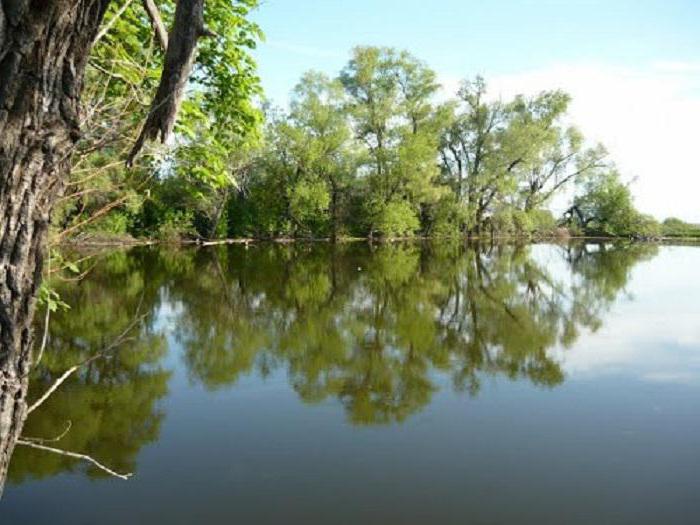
[513,155]
[313,149]
[43,51]
[317,112]
[606,207]
[390,103]
[470,149]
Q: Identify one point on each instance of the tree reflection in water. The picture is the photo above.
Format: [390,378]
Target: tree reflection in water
[371,326]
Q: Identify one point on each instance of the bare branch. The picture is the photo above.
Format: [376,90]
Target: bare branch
[68,453]
[105,29]
[59,382]
[157,23]
[78,277]
[118,341]
[45,336]
[99,213]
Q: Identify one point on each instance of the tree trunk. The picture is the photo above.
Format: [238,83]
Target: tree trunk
[188,28]
[479,220]
[13,413]
[44,46]
[334,213]
[218,214]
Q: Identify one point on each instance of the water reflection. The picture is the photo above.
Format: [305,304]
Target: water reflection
[369,329]
[369,326]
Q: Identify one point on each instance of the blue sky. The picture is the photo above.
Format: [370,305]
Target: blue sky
[633,67]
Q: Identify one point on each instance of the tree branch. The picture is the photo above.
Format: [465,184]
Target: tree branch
[47,318]
[99,213]
[68,453]
[69,424]
[179,61]
[119,340]
[105,29]
[157,23]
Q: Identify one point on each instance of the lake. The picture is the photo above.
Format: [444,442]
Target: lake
[402,383]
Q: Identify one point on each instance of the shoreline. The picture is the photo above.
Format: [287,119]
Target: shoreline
[126,243]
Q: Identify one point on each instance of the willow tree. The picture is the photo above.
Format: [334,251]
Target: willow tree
[390,104]
[44,50]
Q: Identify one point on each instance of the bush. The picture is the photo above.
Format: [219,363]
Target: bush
[542,222]
[504,222]
[176,225]
[397,219]
[646,226]
[308,203]
[447,218]
[673,227]
[115,223]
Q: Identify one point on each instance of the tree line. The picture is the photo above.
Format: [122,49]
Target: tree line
[371,152]
[88,85]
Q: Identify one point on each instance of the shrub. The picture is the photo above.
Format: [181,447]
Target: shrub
[673,227]
[308,203]
[447,218]
[542,222]
[396,219]
[176,225]
[115,223]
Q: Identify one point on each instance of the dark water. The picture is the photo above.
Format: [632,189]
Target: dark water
[401,384]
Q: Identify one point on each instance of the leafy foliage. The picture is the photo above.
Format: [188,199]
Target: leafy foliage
[674,227]
[219,115]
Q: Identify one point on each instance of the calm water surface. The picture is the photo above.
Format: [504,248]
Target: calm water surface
[397,384]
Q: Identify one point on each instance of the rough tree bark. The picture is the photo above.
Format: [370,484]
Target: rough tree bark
[44,47]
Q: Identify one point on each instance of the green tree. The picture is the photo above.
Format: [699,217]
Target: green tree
[215,132]
[505,161]
[316,147]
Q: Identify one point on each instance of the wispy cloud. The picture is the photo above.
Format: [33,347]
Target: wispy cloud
[304,50]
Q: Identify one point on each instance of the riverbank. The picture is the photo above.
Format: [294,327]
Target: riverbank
[103,241]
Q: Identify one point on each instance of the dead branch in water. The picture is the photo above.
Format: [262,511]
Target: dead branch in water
[70,454]
[103,353]
[38,443]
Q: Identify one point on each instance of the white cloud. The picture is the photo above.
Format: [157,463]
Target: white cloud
[648,119]
[677,66]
